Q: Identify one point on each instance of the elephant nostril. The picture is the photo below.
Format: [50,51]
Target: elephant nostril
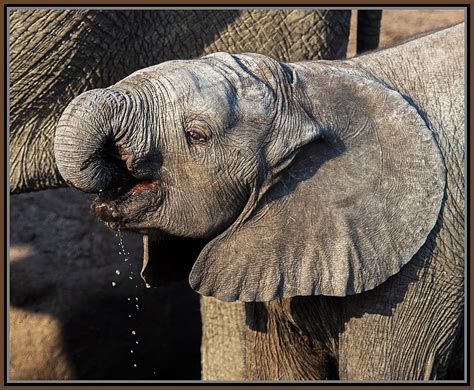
[123,154]
[116,159]
[111,153]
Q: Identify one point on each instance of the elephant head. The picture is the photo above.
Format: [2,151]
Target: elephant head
[301,179]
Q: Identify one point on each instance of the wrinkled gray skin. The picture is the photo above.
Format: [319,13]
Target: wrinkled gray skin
[248,153]
[50,63]
[57,54]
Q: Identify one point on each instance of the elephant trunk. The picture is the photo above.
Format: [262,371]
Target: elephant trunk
[86,138]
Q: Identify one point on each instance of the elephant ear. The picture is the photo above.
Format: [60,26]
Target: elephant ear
[347,212]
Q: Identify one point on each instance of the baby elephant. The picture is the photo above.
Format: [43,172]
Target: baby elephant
[296,183]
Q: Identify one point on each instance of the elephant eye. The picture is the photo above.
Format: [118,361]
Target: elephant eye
[196,137]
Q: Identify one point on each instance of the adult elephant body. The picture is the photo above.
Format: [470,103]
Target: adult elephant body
[326,196]
[56,55]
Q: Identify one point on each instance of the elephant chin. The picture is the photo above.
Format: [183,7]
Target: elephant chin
[168,259]
[112,206]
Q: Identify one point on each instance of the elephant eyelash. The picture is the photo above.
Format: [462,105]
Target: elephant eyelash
[196,137]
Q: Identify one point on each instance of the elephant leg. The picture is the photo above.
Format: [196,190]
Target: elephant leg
[278,348]
[368,30]
[456,359]
[405,329]
[222,355]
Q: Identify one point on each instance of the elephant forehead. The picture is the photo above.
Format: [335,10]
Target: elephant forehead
[190,75]
[195,82]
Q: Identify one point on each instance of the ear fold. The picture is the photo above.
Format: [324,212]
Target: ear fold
[347,212]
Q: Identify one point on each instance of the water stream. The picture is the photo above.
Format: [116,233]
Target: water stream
[132,301]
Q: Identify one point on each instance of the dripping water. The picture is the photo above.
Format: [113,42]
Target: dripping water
[123,252]
[133,302]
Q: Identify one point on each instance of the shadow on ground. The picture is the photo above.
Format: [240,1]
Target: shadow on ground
[67,321]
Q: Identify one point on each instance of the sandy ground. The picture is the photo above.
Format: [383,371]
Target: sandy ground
[63,263]
[398,25]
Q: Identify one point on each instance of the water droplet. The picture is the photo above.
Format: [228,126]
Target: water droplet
[134,365]
[129,316]
[136,342]
[117,272]
[133,332]
[131,351]
[125,259]
[114,284]
[128,299]
[136,298]
[130,278]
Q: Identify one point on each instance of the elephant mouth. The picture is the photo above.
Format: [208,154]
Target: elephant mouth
[166,258]
[121,205]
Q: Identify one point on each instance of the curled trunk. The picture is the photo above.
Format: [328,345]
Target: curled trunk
[86,138]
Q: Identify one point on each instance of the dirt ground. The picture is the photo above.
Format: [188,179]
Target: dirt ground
[67,260]
[398,25]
